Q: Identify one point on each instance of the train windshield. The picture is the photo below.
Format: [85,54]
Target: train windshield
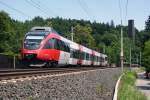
[32,41]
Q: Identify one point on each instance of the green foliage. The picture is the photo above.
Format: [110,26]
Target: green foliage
[146,56]
[127,89]
[83,35]
[5,22]
[147,27]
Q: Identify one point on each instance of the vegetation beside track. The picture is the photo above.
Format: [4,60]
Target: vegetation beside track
[127,88]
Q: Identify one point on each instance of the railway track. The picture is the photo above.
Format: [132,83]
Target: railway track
[23,73]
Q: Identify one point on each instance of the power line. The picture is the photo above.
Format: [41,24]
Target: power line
[46,8]
[86,9]
[89,10]
[39,7]
[36,6]
[83,7]
[10,7]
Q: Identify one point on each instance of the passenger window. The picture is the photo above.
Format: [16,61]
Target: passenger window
[106,58]
[66,45]
[95,58]
[92,58]
[82,55]
[71,53]
[87,56]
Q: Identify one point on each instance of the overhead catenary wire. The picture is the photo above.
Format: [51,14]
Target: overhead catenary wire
[12,8]
[84,6]
[46,8]
[36,6]
[88,9]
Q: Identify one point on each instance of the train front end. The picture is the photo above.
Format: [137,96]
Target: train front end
[32,46]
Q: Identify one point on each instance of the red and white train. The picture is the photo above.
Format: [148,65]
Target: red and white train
[43,46]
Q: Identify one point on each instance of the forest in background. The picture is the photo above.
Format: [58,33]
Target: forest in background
[103,37]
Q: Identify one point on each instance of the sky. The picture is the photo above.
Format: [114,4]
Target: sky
[93,10]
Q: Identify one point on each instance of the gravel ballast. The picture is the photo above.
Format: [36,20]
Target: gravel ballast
[88,85]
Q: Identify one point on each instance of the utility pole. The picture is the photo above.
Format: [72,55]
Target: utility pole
[140,58]
[121,53]
[130,58]
[137,60]
[72,33]
[104,49]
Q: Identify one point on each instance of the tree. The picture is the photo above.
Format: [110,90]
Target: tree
[6,32]
[5,21]
[108,38]
[112,24]
[146,56]
[147,25]
[83,35]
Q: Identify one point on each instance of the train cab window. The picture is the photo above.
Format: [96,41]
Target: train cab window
[49,44]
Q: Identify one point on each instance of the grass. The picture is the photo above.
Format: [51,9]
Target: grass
[127,88]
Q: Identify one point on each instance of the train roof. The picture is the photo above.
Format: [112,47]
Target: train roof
[73,45]
[38,28]
[87,50]
[41,30]
[103,55]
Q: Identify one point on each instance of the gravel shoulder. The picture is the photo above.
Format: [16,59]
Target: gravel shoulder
[91,85]
[143,84]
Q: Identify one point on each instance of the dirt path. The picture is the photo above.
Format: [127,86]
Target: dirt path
[143,84]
